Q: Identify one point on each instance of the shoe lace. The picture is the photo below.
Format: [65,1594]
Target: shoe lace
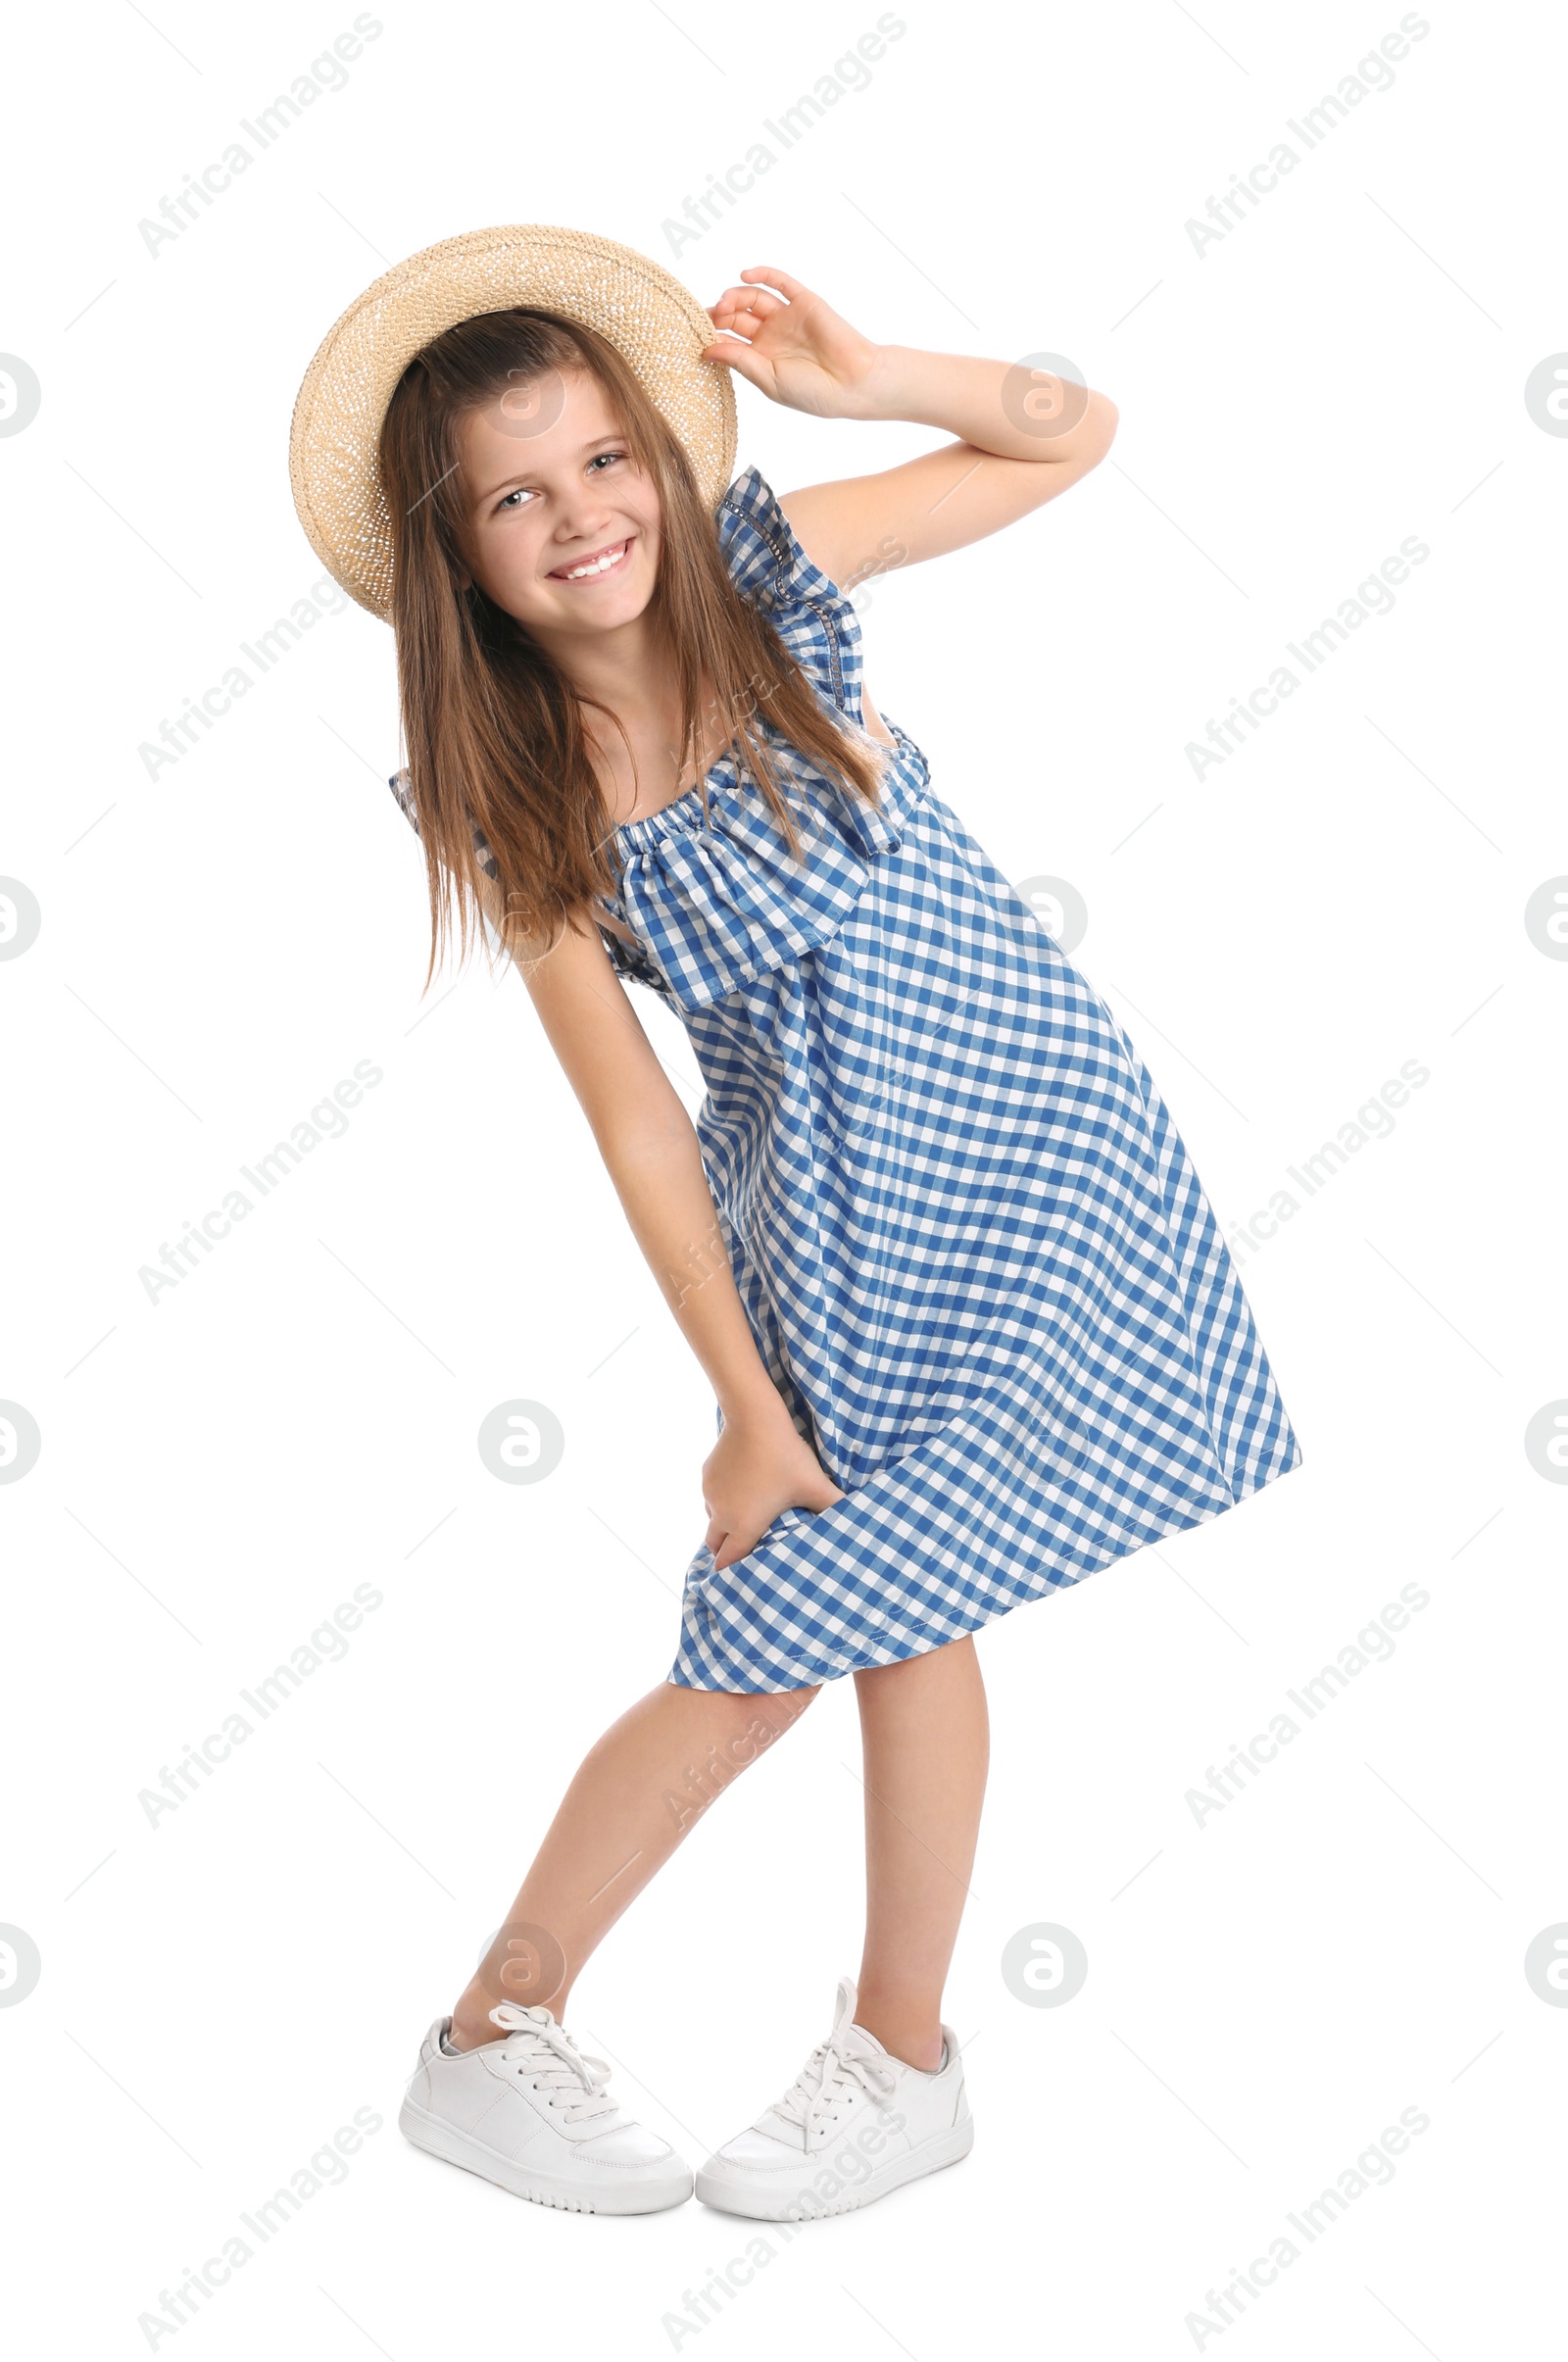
[837,2067]
[571,2081]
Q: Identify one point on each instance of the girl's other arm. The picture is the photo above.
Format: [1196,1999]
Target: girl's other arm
[760,1464]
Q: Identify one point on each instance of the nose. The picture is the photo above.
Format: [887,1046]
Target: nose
[582,514]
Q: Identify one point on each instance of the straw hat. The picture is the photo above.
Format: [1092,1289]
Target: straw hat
[654,323]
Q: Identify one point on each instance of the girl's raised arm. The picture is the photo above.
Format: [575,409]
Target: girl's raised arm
[1024,434]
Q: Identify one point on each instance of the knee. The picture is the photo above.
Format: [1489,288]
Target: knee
[737,1728]
[749,1723]
[758,1719]
[779,1709]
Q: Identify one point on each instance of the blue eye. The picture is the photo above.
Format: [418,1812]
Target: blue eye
[512,500]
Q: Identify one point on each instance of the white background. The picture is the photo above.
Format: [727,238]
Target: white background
[219,944]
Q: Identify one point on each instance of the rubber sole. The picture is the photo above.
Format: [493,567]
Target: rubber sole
[455,2148]
[750,2196]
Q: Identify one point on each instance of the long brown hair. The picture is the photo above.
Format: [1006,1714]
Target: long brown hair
[492,729]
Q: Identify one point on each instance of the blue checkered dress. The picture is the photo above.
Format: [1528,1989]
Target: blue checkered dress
[975,1258]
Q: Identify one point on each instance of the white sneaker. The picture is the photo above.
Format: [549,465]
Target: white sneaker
[532,2114]
[854,2124]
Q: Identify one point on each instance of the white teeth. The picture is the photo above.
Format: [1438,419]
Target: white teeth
[599,566]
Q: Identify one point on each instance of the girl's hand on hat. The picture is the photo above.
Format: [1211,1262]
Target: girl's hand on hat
[759,1465]
[796,350]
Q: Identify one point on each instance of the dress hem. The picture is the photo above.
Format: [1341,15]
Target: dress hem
[865,1659]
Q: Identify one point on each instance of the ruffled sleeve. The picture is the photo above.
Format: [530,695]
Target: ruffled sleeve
[402,787]
[810,612]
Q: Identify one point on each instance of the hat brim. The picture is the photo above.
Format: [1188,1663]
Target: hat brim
[655,323]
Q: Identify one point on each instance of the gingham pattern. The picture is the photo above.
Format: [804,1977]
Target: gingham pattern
[402,787]
[975,1257]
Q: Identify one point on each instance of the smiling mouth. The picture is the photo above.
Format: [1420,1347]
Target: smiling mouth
[596,566]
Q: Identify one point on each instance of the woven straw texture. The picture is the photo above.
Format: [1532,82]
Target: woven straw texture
[652,319]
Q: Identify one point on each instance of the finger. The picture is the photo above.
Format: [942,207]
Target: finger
[781,279]
[745,323]
[729,353]
[741,322]
[744,299]
[735,1546]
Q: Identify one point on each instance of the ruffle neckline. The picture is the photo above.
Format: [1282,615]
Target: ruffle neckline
[715,904]
[876,830]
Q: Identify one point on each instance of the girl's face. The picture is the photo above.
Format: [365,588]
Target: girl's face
[563,527]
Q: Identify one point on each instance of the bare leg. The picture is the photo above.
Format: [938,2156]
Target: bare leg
[637,1793]
[925,1737]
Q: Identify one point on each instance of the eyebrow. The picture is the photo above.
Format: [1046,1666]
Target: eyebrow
[509,483]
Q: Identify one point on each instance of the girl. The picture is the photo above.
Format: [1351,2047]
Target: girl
[971,1328]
